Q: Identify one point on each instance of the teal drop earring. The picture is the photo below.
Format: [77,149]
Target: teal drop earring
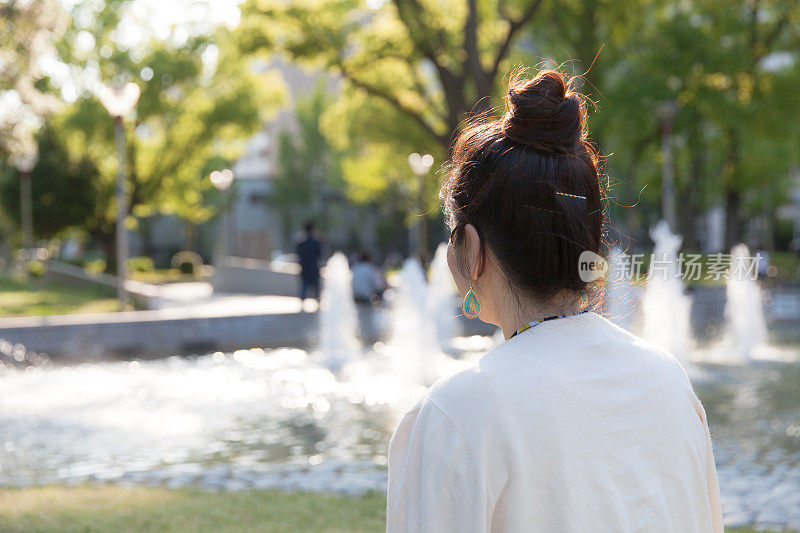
[584,301]
[472,306]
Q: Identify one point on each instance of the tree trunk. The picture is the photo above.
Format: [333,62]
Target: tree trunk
[691,192]
[146,229]
[108,243]
[732,194]
[190,236]
[732,216]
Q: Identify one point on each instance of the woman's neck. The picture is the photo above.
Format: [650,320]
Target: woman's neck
[513,317]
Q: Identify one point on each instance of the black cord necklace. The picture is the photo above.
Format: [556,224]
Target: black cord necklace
[533,323]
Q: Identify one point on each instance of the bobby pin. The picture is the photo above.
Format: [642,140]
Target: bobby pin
[571,195]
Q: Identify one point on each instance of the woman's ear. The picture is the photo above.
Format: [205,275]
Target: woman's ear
[472,252]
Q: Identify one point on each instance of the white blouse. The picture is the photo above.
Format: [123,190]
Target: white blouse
[573,426]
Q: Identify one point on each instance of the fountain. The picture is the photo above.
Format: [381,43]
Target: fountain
[745,334]
[664,304]
[441,303]
[338,321]
[745,328]
[414,341]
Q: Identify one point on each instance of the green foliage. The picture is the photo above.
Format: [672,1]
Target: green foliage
[27,30]
[37,268]
[412,72]
[64,192]
[141,264]
[737,120]
[309,167]
[95,266]
[192,110]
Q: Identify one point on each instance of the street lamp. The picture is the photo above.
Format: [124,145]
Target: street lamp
[222,181]
[120,100]
[25,163]
[666,113]
[421,165]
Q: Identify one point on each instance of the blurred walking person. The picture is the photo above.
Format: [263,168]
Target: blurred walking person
[309,251]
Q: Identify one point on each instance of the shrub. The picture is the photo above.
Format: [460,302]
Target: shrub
[96,266]
[141,264]
[36,268]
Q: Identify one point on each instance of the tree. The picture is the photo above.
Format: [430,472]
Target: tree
[309,168]
[433,62]
[64,192]
[713,59]
[761,27]
[200,100]
[27,32]
[413,71]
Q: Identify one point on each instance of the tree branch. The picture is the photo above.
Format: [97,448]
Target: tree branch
[419,83]
[513,27]
[452,83]
[473,63]
[395,102]
[410,13]
[775,33]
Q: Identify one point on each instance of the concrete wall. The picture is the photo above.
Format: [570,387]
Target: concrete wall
[147,338]
[253,276]
[149,334]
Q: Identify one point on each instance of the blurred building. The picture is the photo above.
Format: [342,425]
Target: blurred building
[254,227]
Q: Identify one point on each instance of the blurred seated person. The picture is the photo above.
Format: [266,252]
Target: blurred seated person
[368,282]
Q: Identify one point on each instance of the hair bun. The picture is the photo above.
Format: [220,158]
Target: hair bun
[544,114]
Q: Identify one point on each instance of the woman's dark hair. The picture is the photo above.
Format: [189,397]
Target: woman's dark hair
[530,183]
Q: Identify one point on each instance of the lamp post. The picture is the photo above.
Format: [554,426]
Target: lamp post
[25,164]
[222,181]
[120,100]
[666,113]
[421,165]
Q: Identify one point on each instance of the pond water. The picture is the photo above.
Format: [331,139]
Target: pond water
[754,416]
[252,418]
[281,419]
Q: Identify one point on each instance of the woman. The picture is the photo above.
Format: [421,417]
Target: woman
[572,424]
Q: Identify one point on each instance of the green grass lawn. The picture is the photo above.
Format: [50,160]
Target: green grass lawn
[113,508]
[21,298]
[104,508]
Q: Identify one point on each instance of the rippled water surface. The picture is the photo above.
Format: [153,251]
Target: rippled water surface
[754,416]
[242,417]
